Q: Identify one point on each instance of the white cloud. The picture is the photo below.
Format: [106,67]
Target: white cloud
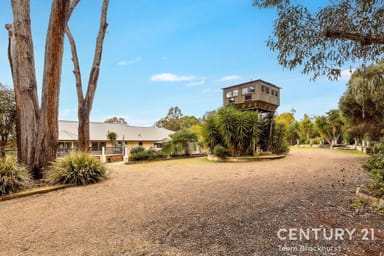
[128,62]
[169,77]
[229,78]
[346,74]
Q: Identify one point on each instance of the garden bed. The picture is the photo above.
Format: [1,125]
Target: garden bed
[165,159]
[245,158]
[366,197]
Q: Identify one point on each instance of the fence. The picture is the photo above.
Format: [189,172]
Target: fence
[104,153]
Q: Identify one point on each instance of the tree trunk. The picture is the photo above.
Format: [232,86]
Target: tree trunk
[21,58]
[3,144]
[83,129]
[85,103]
[48,124]
[270,136]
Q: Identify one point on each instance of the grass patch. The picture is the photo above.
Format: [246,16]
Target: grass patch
[354,152]
[304,147]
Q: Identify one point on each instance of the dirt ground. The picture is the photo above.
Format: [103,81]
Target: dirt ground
[196,207]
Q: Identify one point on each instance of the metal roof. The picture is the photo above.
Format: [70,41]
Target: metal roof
[251,82]
[99,131]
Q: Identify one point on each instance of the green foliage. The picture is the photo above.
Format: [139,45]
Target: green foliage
[7,117]
[324,128]
[239,129]
[112,136]
[183,138]
[363,103]
[210,132]
[176,121]
[77,168]
[116,120]
[375,165]
[234,129]
[230,130]
[321,42]
[306,129]
[264,138]
[279,143]
[13,177]
[137,150]
[330,126]
[221,151]
[139,153]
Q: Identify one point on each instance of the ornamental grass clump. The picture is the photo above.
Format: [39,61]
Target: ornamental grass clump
[77,168]
[13,177]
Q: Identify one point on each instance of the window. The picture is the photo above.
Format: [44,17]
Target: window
[244,91]
[273,92]
[248,97]
[276,94]
[267,90]
[235,93]
[140,143]
[231,100]
[263,88]
[251,89]
[229,94]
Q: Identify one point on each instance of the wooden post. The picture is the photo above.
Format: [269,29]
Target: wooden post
[103,157]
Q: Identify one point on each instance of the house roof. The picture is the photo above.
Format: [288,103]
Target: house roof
[254,81]
[99,131]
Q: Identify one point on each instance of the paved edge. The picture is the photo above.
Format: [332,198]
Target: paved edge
[370,199]
[34,192]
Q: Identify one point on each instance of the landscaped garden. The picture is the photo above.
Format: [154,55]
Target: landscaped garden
[193,206]
[322,195]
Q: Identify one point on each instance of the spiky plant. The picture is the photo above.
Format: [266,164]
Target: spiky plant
[13,177]
[77,168]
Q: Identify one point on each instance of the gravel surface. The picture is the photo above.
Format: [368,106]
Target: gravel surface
[196,207]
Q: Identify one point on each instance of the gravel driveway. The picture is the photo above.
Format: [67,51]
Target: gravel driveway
[195,207]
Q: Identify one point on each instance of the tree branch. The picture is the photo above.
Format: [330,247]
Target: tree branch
[75,58]
[76,66]
[94,74]
[363,39]
[71,8]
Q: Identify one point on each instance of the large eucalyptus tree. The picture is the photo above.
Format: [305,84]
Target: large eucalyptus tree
[322,41]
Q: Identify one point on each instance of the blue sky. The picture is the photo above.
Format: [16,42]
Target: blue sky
[159,54]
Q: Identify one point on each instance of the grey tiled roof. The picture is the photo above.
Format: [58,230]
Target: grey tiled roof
[99,131]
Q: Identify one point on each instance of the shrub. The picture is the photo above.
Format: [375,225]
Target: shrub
[76,168]
[221,151]
[138,154]
[136,150]
[279,141]
[375,165]
[13,177]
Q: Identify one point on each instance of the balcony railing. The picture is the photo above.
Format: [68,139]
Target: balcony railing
[93,151]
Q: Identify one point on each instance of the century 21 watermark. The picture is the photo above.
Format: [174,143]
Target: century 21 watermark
[322,233]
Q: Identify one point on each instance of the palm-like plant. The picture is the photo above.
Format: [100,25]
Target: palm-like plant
[210,131]
[228,123]
[112,136]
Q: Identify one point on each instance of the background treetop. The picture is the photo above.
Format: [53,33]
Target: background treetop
[321,42]
[175,120]
[116,120]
